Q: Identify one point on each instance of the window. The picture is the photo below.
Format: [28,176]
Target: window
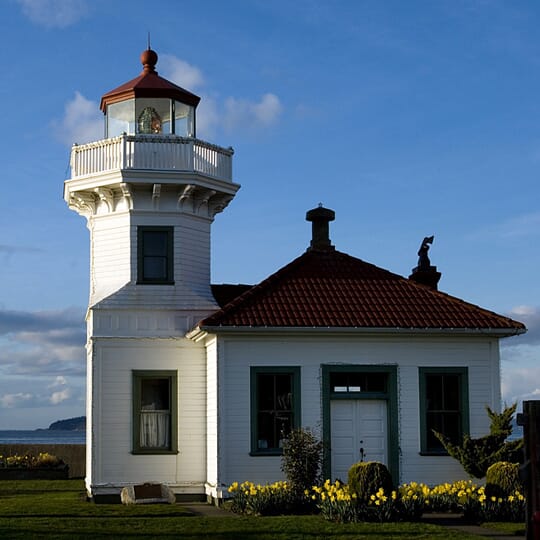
[444,406]
[275,407]
[154,412]
[155,255]
[358,381]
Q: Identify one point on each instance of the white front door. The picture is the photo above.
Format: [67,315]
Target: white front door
[359,431]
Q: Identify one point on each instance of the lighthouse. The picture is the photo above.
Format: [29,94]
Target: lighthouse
[149,191]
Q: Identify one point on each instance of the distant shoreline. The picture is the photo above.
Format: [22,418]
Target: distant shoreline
[42,436]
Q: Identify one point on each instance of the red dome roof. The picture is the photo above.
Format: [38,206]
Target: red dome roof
[148,85]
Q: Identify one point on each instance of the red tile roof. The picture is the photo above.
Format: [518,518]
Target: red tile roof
[332,289]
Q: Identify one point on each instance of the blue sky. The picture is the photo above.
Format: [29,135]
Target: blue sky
[407,118]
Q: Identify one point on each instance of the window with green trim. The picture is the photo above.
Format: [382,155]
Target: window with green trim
[275,407]
[154,412]
[155,255]
[444,406]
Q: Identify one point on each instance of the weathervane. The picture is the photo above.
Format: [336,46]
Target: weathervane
[423,260]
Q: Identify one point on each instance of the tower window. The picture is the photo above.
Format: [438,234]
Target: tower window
[155,255]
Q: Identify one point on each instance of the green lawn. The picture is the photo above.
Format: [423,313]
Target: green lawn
[58,509]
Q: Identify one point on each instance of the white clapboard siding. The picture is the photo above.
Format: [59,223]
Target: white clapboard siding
[212,417]
[110,258]
[114,265]
[407,353]
[112,462]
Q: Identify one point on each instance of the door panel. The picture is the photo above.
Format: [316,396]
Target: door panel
[356,424]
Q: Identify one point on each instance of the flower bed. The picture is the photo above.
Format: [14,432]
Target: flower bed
[409,502]
[30,467]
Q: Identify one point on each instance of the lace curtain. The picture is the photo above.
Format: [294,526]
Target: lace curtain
[155,429]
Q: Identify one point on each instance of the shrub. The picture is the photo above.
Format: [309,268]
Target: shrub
[301,461]
[28,461]
[502,480]
[367,477]
[476,455]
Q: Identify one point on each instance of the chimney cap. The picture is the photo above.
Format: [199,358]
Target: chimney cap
[320,218]
[320,213]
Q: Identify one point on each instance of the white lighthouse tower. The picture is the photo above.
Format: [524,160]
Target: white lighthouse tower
[149,191]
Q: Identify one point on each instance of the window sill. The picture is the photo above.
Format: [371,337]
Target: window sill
[155,452]
[155,283]
[434,453]
[266,453]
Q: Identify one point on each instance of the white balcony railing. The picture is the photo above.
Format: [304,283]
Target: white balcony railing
[152,153]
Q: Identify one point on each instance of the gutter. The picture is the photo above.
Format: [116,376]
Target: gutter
[200,332]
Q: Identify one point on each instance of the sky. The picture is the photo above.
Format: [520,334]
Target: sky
[408,119]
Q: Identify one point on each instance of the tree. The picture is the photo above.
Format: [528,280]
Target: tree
[477,455]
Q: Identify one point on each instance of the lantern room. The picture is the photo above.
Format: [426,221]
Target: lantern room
[149,105]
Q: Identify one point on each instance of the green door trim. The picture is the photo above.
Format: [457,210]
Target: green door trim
[390,396]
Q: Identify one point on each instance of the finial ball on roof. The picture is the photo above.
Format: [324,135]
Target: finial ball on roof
[149,59]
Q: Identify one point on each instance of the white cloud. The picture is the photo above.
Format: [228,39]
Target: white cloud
[180,72]
[42,343]
[242,113]
[82,122]
[58,381]
[520,383]
[530,316]
[35,397]
[54,13]
[268,109]
[15,400]
[60,396]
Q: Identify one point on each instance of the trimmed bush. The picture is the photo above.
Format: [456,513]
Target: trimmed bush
[502,480]
[301,461]
[367,477]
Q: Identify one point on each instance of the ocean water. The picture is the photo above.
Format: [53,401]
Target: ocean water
[42,436]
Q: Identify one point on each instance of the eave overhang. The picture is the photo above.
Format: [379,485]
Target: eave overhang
[201,332]
[148,85]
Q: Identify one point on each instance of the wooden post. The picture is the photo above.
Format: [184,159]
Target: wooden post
[530,471]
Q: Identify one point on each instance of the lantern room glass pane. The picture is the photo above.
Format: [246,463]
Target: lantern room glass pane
[120,118]
[153,116]
[184,120]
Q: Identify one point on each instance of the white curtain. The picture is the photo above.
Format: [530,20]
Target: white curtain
[155,429]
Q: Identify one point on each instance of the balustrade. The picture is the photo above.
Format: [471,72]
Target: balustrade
[151,153]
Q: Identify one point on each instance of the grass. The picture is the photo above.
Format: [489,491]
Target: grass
[510,529]
[58,509]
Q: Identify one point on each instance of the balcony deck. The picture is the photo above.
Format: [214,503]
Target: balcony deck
[151,152]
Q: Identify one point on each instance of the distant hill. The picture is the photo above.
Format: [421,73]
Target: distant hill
[71,424]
